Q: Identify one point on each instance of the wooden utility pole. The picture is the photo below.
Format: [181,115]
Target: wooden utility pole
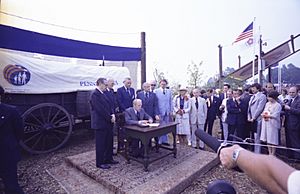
[220,67]
[292,43]
[143,58]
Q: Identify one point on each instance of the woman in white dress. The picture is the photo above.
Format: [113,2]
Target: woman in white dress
[271,122]
[182,107]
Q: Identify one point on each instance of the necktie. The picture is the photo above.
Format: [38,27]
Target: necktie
[138,115]
[164,91]
[291,101]
[197,105]
[236,102]
[128,91]
[147,95]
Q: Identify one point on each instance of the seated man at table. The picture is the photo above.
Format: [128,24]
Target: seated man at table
[136,115]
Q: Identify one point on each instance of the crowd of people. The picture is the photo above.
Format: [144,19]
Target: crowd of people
[255,112]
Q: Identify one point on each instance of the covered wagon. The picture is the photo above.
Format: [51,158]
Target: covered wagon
[52,93]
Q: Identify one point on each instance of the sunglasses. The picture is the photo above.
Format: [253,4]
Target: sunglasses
[153,84]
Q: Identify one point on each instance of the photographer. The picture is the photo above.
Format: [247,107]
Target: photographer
[292,121]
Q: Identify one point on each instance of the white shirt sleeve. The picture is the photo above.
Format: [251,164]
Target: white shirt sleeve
[294,182]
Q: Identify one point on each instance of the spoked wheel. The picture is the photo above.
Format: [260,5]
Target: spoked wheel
[47,127]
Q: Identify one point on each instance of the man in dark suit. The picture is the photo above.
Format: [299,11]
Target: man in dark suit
[110,93]
[11,132]
[213,104]
[125,95]
[149,101]
[292,121]
[246,96]
[237,115]
[102,119]
[136,115]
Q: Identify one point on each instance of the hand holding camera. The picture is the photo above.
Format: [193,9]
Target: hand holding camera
[285,105]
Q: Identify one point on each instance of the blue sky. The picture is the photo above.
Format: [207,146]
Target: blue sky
[177,32]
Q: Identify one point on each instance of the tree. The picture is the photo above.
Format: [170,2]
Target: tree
[158,75]
[212,82]
[195,74]
[289,74]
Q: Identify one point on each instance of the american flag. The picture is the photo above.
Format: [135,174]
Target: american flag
[247,33]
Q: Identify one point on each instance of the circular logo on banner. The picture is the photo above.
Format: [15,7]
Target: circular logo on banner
[16,75]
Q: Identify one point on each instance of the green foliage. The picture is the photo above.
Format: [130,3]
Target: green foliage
[289,74]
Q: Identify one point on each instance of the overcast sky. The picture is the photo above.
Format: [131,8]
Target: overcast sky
[177,31]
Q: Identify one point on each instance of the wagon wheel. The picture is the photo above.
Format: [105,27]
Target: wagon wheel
[47,127]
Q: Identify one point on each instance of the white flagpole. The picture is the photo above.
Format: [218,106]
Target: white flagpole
[259,68]
[254,43]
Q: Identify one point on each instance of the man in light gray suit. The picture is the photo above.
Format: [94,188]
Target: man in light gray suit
[256,106]
[198,114]
[165,106]
[136,115]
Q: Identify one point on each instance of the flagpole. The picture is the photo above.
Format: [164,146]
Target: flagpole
[259,62]
[254,41]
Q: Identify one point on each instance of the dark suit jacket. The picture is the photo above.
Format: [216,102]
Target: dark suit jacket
[101,111]
[214,108]
[124,99]
[237,113]
[11,132]
[150,104]
[293,115]
[221,96]
[132,119]
[112,98]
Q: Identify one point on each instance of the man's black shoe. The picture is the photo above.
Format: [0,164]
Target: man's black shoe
[112,162]
[104,166]
[166,144]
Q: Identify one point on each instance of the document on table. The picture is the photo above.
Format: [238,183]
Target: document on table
[153,124]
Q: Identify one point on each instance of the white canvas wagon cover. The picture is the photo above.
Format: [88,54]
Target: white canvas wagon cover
[22,74]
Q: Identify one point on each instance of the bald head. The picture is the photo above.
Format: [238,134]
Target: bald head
[293,91]
[137,104]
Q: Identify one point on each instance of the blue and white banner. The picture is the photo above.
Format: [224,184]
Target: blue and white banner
[22,74]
